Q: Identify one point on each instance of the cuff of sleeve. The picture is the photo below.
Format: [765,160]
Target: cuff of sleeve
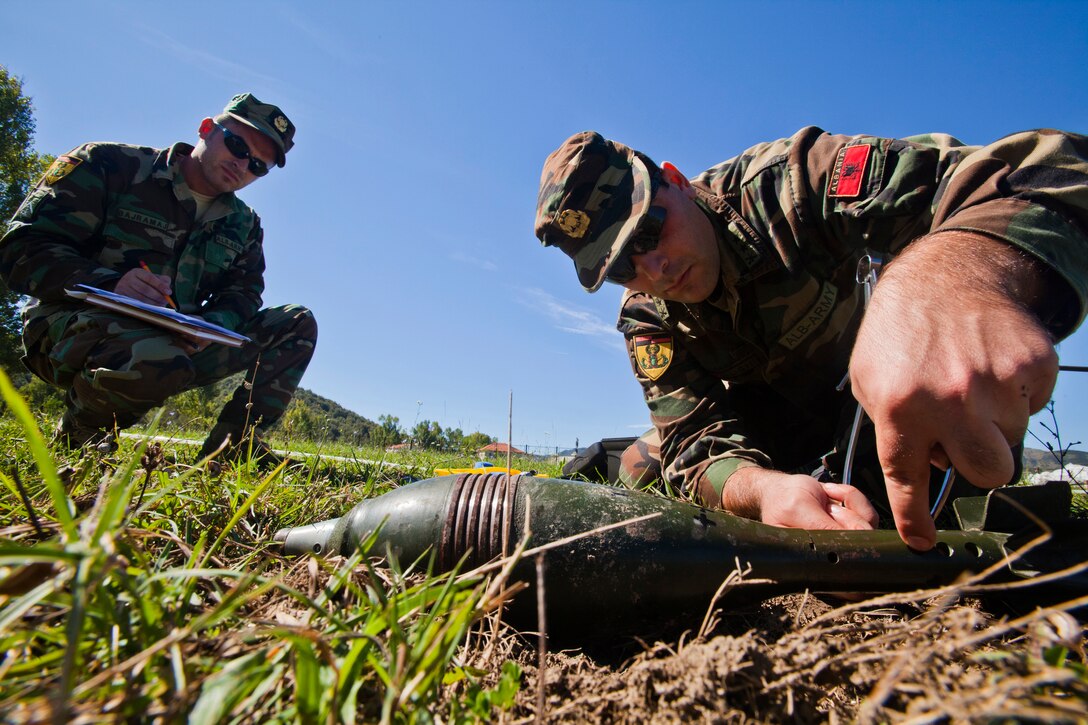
[102,278]
[718,472]
[1039,231]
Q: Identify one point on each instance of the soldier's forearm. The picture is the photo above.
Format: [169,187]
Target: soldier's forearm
[980,264]
[37,265]
[742,492]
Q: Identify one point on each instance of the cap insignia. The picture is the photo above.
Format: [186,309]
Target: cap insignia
[574,223]
[280,123]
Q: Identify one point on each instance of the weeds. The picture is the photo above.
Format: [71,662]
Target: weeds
[1056,448]
[146,590]
[136,586]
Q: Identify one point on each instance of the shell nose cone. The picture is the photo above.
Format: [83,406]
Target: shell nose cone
[310,539]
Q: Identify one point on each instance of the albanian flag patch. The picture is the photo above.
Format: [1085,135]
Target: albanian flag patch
[849,171]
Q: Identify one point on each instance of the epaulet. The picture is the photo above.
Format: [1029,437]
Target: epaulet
[641,312]
[751,249]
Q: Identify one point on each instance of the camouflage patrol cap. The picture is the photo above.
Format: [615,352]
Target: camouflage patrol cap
[267,119]
[593,193]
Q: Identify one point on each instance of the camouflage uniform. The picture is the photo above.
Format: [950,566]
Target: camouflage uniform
[792,218]
[100,211]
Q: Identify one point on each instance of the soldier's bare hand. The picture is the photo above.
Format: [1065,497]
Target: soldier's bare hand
[145,286]
[949,365]
[797,501]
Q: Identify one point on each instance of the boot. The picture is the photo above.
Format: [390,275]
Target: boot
[239,447]
[72,434]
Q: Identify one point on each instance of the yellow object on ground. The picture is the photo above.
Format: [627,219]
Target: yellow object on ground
[480,469]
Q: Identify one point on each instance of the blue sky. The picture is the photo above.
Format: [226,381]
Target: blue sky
[404,216]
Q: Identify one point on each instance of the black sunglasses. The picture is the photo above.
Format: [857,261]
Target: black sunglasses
[645,238]
[240,150]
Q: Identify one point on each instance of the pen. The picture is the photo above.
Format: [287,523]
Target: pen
[168,300]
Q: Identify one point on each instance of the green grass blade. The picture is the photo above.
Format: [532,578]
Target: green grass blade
[307,679]
[222,690]
[40,451]
[242,511]
[74,631]
[120,493]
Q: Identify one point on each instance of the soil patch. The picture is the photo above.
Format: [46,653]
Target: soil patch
[801,658]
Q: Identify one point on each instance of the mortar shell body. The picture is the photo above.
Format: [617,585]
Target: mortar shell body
[672,562]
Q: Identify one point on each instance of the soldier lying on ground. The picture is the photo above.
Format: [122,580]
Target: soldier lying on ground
[743,314]
[105,211]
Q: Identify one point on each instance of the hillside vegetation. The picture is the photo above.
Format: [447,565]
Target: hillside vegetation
[1040,460]
[310,418]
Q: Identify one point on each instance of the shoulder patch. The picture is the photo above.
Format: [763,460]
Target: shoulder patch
[849,171]
[61,167]
[653,353]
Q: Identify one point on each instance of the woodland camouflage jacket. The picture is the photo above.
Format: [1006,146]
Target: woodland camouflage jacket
[749,376]
[103,208]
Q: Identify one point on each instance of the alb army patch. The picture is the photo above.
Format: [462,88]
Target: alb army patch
[60,168]
[849,171]
[653,353]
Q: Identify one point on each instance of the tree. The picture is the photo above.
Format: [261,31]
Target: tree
[427,434]
[388,431]
[19,168]
[475,441]
[299,421]
[453,439]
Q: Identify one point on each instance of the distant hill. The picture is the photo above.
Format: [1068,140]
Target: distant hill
[339,422]
[1035,459]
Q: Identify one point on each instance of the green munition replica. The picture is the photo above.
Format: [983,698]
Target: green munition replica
[664,559]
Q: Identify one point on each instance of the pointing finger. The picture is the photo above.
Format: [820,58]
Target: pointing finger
[906,477]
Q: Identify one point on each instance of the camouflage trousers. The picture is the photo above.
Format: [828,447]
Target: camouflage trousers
[114,368]
[640,463]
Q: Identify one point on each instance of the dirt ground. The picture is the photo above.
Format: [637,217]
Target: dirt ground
[803,658]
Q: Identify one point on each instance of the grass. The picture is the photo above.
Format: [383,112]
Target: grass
[418,463]
[137,586]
